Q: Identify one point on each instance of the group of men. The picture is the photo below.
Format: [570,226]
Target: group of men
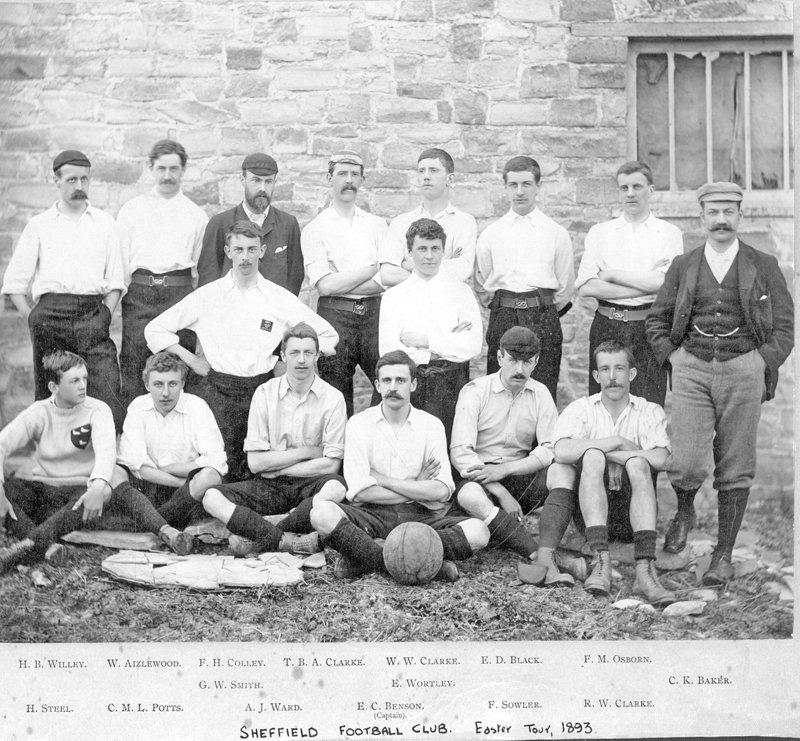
[265,453]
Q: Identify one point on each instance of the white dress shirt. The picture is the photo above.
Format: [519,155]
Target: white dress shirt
[333,243]
[619,244]
[257,219]
[433,307]
[521,253]
[58,254]
[239,329]
[188,433]
[372,445]
[720,262]
[461,232]
[642,422]
[160,234]
[280,419]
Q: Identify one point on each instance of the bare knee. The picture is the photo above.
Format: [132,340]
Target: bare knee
[325,516]
[638,469]
[594,462]
[560,476]
[204,479]
[476,533]
[211,498]
[331,491]
[472,499]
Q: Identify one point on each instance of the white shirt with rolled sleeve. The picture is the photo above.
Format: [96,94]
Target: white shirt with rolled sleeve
[461,232]
[372,445]
[619,244]
[432,307]
[642,422]
[521,253]
[279,419]
[332,243]
[58,254]
[239,330]
[161,234]
[492,425]
[188,433]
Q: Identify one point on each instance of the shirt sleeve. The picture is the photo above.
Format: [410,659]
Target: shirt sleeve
[571,423]
[564,266]
[652,428]
[436,447]
[201,222]
[333,432]
[546,417]
[257,439]
[357,465]
[162,331]
[464,241]
[673,246]
[483,265]
[26,426]
[464,437]
[327,335]
[125,226]
[104,443]
[390,323]
[465,344]
[590,265]
[394,244]
[114,275]
[208,440]
[133,442]
[22,267]
[315,254]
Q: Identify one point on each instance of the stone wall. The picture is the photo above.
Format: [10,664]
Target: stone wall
[486,79]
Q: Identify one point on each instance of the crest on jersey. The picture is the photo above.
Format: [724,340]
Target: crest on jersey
[81,436]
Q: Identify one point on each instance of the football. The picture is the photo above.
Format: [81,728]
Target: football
[413,553]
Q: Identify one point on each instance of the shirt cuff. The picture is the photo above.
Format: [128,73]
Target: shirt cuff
[359,487]
[333,451]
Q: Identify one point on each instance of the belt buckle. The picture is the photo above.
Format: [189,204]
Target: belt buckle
[162,281]
[521,303]
[620,315]
[359,309]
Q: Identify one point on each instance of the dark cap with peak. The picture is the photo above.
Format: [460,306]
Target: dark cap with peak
[70,157]
[260,164]
[520,342]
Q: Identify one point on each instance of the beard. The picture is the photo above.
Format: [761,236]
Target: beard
[257,203]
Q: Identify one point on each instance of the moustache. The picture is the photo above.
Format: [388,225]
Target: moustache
[349,187]
[78,195]
[519,377]
[168,181]
[392,395]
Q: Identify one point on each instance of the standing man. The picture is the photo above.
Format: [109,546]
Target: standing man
[436,320]
[340,249]
[294,446]
[69,258]
[161,233]
[280,233]
[724,322]
[239,321]
[396,468]
[623,267]
[435,180]
[525,270]
[614,442]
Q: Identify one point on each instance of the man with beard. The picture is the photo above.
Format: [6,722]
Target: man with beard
[69,258]
[724,322]
[280,233]
[161,234]
[340,249]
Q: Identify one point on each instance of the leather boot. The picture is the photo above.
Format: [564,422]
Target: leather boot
[682,523]
[648,586]
[598,582]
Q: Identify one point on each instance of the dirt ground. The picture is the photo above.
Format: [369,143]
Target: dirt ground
[82,604]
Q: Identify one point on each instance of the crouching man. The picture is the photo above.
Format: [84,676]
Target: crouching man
[170,443]
[67,483]
[294,446]
[397,471]
[614,441]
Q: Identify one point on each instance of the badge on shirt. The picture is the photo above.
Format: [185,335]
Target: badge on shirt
[266,325]
[81,436]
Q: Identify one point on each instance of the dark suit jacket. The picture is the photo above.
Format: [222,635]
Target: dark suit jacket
[766,303]
[282,262]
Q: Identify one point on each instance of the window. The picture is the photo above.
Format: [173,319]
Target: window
[713,110]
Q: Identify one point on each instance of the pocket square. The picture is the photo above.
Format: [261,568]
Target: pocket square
[280,249]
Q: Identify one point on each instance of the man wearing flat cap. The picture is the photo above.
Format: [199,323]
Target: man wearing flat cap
[723,321]
[280,233]
[340,250]
[69,259]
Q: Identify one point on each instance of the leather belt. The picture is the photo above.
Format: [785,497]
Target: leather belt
[623,315]
[160,281]
[523,301]
[357,306]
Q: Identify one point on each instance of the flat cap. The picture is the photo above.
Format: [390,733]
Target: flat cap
[70,157]
[260,164]
[521,342]
[719,192]
[347,156]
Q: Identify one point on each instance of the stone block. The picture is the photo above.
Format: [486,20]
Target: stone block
[379,9]
[243,57]
[601,75]
[720,9]
[573,112]
[118,112]
[403,110]
[400,156]
[519,113]
[143,90]
[17,113]
[290,139]
[562,142]
[213,18]
[35,39]
[239,142]
[425,90]
[192,112]
[480,165]
[22,67]
[598,191]
[129,65]
[205,90]
[88,33]
[495,141]
[269,112]
[247,86]
[203,193]
[360,38]
[31,195]
[474,200]
[18,166]
[545,81]
[26,140]
[109,168]
[91,65]
[492,73]
[415,10]
[198,142]
[470,108]
[529,11]
[86,137]
[444,111]
[322,27]
[305,79]
[446,72]
[15,14]
[167,13]
[456,9]
[290,53]
[191,67]
[133,35]
[347,108]
[405,68]
[578,10]
[342,130]
[596,50]
[613,107]
[498,30]
[389,179]
[137,140]
[388,204]
[465,41]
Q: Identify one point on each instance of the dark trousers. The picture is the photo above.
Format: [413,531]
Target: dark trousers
[651,378]
[44,512]
[139,305]
[358,345]
[229,398]
[275,496]
[175,505]
[529,489]
[544,321]
[79,324]
[438,384]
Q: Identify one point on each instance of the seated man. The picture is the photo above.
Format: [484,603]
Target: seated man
[614,441]
[66,484]
[436,320]
[294,446]
[397,471]
[170,443]
[500,445]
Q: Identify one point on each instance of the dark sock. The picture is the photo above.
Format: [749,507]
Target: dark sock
[597,537]
[299,520]
[179,509]
[134,504]
[455,543]
[685,498]
[730,507]
[508,532]
[351,541]
[249,525]
[644,544]
[556,514]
